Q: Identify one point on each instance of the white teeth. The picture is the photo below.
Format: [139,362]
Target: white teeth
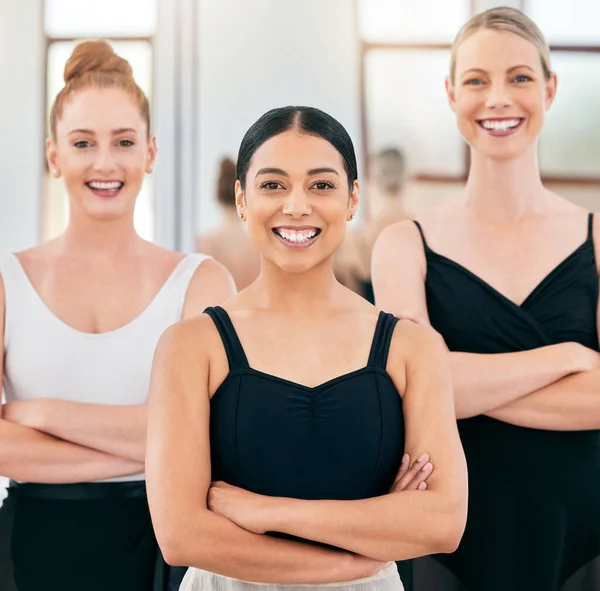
[101,186]
[297,236]
[500,125]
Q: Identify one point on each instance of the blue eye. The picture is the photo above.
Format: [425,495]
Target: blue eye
[126,143]
[523,78]
[474,82]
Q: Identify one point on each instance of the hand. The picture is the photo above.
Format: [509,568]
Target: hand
[28,413]
[413,477]
[582,357]
[246,509]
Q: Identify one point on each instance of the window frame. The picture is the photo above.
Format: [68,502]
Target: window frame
[367,46]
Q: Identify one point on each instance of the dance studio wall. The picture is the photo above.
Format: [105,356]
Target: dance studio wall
[268,53]
[21,122]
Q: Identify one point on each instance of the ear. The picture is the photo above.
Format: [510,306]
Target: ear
[240,201]
[353,200]
[52,158]
[450,92]
[151,156]
[550,90]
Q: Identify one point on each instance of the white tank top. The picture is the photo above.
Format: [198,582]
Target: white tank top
[46,358]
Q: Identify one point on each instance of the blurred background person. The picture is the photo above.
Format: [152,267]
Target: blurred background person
[385,206]
[229,243]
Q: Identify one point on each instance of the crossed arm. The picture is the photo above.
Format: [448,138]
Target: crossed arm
[57,441]
[228,541]
[550,387]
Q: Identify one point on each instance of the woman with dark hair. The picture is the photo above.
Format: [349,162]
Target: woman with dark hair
[229,242]
[288,409]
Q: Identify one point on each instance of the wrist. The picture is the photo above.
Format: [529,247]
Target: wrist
[577,358]
[40,417]
[279,513]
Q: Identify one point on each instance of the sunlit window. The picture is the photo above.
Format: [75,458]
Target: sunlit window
[402,21]
[567,23]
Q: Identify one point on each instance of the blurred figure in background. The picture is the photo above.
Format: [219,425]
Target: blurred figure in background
[229,244]
[386,206]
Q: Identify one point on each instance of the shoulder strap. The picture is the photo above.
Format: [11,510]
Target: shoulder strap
[235,352]
[381,340]
[590,226]
[422,234]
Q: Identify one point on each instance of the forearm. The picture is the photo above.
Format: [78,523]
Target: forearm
[113,429]
[486,382]
[213,543]
[31,456]
[571,404]
[396,526]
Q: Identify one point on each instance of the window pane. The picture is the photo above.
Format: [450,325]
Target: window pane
[109,18]
[570,142]
[407,107]
[139,55]
[426,21]
[569,23]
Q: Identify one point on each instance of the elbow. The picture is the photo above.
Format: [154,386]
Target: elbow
[451,527]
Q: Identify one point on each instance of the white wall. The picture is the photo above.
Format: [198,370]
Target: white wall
[21,122]
[269,53]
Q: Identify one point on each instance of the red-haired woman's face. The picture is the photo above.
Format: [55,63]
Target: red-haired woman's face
[102,151]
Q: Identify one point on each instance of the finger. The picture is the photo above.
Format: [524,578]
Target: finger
[421,476]
[404,465]
[412,472]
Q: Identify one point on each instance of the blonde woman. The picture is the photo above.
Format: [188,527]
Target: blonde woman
[506,271]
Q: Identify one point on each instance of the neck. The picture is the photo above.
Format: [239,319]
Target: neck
[296,293]
[106,239]
[504,190]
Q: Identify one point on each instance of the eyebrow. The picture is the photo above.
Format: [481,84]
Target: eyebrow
[114,131]
[482,71]
[281,172]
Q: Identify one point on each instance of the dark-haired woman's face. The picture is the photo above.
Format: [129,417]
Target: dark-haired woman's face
[297,200]
[102,151]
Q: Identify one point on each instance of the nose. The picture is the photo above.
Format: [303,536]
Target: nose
[498,97]
[105,161]
[297,204]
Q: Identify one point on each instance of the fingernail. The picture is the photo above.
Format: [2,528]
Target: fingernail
[423,458]
[426,467]
[405,458]
[422,486]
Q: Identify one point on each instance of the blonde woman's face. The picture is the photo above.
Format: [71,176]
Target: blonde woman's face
[499,93]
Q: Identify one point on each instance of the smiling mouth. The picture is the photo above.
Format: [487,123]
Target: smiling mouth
[105,188]
[300,238]
[501,127]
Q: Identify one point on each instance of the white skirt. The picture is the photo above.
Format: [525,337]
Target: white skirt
[196,579]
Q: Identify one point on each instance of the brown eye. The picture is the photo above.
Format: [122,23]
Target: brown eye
[81,144]
[271,185]
[323,186]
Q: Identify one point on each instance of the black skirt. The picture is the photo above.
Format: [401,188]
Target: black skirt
[92,536]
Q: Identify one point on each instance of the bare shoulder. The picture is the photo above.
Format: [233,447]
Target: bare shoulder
[413,344]
[412,338]
[189,339]
[211,284]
